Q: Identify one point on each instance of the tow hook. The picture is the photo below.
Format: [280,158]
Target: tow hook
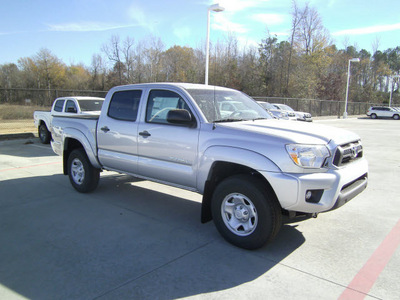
[314,215]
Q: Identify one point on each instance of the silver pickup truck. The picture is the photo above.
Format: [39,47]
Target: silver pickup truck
[250,168]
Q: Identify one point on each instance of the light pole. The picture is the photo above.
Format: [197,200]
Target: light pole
[347,87]
[215,8]
[391,88]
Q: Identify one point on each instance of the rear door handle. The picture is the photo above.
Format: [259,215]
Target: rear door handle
[144,133]
[105,129]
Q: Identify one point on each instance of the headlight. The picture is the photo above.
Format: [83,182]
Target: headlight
[308,156]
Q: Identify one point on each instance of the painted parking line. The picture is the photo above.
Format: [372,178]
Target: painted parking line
[369,273]
[31,166]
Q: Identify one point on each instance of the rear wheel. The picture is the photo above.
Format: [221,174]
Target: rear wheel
[82,175]
[374,116]
[44,134]
[246,212]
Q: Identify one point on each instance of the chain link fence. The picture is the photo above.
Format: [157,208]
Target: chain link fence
[17,106]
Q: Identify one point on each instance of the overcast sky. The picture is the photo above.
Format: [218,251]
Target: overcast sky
[74,30]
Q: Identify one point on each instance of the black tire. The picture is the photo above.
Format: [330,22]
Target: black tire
[396,117]
[82,175]
[246,212]
[374,116]
[44,134]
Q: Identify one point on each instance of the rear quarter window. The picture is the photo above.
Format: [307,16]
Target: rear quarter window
[58,106]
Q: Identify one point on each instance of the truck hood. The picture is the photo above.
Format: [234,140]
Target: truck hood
[295,132]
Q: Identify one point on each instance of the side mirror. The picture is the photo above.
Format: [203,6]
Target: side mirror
[180,117]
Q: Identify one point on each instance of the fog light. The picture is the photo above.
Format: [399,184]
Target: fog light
[313,196]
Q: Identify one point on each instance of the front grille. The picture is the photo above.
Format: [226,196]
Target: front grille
[348,153]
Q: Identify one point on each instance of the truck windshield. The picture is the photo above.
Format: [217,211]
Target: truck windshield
[90,104]
[227,105]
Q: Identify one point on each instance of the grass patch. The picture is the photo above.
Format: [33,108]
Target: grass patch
[17,126]
[18,112]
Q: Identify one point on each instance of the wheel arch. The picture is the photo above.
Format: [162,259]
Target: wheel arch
[219,171]
[76,140]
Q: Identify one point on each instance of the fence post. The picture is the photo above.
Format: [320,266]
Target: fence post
[320,108]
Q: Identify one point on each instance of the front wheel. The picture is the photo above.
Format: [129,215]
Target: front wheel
[246,212]
[396,117]
[82,175]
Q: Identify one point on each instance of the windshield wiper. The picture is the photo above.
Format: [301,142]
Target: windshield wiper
[229,120]
[239,120]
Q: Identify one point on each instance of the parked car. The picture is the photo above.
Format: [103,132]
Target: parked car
[299,115]
[375,112]
[276,113]
[65,106]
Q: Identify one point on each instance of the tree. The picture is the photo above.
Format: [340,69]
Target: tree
[267,52]
[77,77]
[297,17]
[393,59]
[153,56]
[50,68]
[179,64]
[98,73]
[311,35]
[44,71]
[113,52]
[9,78]
[127,51]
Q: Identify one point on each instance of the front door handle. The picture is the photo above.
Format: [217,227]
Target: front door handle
[144,133]
[105,129]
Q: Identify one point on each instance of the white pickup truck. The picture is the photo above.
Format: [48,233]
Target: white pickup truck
[66,106]
[250,168]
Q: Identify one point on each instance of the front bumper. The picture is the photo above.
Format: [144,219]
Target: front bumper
[305,119]
[351,190]
[337,187]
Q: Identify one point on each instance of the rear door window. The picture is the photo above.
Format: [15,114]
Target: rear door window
[70,107]
[124,105]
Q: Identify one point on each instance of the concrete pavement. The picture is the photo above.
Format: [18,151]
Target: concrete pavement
[133,239]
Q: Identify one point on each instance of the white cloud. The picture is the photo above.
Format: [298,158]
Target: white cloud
[85,26]
[269,19]
[368,30]
[238,5]
[246,43]
[137,14]
[277,33]
[222,22]
[182,33]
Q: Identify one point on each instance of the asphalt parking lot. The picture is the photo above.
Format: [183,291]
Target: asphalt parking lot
[133,239]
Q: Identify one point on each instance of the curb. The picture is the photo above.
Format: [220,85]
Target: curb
[15,136]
